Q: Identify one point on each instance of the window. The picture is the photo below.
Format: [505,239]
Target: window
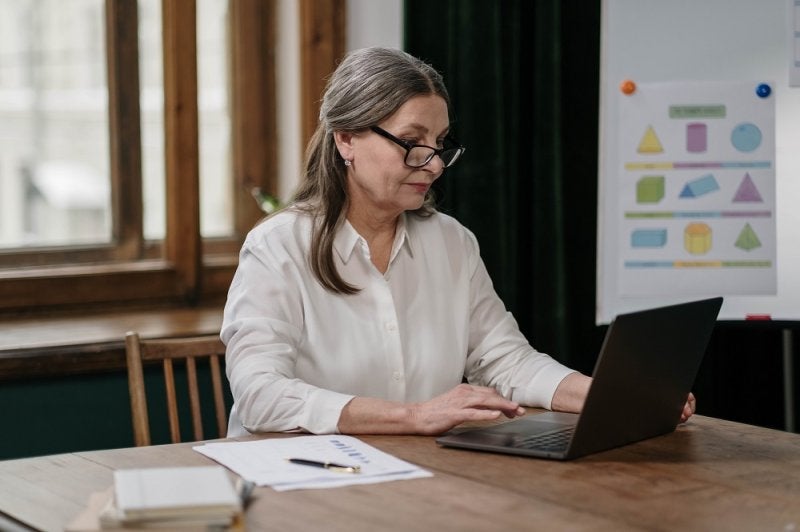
[53,125]
[113,112]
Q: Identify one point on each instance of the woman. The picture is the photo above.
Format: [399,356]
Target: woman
[359,308]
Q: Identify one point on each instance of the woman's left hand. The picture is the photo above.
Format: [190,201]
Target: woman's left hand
[689,408]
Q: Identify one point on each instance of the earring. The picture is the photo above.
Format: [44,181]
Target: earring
[347,162]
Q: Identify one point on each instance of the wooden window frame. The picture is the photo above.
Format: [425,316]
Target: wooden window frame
[322,45]
[184,268]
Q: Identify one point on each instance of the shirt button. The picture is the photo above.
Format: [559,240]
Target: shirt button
[391,326]
[397,375]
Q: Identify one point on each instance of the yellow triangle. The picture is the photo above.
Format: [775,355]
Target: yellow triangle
[650,142]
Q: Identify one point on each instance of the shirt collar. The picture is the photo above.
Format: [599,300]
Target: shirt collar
[346,239]
[402,239]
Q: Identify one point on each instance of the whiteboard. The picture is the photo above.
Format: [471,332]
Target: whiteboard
[656,41]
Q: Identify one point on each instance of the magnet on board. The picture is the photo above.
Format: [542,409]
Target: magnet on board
[627,87]
[763,90]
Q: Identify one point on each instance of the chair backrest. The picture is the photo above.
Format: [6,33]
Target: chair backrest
[190,349]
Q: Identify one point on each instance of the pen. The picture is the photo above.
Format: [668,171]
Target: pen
[327,465]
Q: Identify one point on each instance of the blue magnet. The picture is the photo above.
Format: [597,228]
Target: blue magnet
[763,90]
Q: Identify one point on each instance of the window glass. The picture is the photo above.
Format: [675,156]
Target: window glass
[216,168]
[151,104]
[54,163]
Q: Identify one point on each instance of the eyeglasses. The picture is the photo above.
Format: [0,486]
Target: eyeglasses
[418,155]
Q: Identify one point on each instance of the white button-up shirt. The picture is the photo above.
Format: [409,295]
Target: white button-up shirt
[297,354]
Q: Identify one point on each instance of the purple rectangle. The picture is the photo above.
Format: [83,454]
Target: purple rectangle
[695,137]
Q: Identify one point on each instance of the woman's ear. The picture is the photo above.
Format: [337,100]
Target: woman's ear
[344,143]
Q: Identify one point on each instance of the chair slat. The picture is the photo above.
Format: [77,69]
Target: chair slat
[172,401]
[219,402]
[194,398]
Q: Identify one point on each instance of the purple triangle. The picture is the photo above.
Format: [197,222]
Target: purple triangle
[747,191]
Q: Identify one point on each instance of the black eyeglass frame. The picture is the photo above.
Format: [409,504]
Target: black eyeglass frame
[436,151]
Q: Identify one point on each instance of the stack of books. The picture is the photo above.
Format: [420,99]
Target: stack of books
[171,498]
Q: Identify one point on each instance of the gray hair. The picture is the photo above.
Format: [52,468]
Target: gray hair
[371,84]
[368,85]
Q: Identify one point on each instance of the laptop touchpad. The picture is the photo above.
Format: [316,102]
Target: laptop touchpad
[537,424]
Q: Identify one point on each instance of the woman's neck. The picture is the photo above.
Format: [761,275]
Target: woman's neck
[378,232]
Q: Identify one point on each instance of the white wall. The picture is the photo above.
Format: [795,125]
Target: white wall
[369,23]
[374,23]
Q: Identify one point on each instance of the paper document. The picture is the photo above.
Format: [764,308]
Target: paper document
[266,462]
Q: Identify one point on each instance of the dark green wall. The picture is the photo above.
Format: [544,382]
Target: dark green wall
[68,414]
[86,412]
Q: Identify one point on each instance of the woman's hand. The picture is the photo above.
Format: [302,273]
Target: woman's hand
[571,394]
[465,402]
[689,408]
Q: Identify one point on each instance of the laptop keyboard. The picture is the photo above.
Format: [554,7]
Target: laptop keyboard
[552,441]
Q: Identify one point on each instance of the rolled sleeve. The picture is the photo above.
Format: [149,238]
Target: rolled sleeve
[322,412]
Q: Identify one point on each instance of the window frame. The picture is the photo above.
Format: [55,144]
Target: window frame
[183,269]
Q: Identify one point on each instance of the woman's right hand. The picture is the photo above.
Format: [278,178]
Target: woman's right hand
[364,415]
[463,403]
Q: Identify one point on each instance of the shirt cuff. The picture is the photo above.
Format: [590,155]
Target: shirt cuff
[540,391]
[322,411]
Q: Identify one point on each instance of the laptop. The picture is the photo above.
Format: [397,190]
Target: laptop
[643,375]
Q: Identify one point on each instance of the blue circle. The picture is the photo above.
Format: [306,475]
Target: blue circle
[746,137]
[763,90]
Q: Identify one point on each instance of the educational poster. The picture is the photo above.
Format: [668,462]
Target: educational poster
[696,189]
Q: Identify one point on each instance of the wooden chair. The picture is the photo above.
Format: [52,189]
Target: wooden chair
[140,351]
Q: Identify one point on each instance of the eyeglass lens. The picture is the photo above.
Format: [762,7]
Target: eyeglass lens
[419,156]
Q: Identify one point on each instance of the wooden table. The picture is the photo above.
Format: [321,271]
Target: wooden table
[708,475]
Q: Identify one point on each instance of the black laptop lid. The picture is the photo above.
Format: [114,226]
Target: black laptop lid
[646,367]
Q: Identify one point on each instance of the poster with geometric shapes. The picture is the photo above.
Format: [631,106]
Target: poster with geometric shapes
[696,189]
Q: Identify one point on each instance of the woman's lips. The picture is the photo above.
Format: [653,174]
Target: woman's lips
[422,188]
